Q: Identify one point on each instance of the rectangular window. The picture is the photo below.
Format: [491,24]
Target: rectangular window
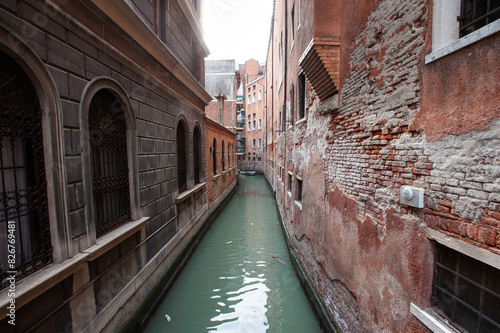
[254,158]
[301,96]
[249,126]
[260,123]
[292,26]
[253,97]
[260,142]
[299,190]
[260,94]
[279,125]
[466,291]
[254,122]
[290,183]
[248,101]
[259,159]
[475,14]
[292,102]
[253,143]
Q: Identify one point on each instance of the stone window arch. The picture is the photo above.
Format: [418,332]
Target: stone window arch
[110,163]
[24,213]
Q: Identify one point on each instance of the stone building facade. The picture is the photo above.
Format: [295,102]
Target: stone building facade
[103,158]
[368,106]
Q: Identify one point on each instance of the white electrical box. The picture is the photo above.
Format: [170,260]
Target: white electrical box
[412,196]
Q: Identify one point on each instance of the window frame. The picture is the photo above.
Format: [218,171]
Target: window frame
[301,96]
[197,157]
[92,88]
[445,30]
[182,187]
[214,157]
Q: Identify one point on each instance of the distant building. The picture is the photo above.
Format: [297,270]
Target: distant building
[222,82]
[382,146]
[253,90]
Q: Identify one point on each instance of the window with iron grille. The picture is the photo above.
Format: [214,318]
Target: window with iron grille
[181,157]
[475,14]
[222,157]
[214,157]
[109,162]
[299,190]
[23,197]
[301,96]
[467,291]
[196,153]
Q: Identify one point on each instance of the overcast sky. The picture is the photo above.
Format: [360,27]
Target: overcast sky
[237,29]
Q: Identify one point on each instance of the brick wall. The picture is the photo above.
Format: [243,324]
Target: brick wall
[399,122]
[221,180]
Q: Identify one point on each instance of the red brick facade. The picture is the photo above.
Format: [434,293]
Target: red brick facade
[397,119]
[224,176]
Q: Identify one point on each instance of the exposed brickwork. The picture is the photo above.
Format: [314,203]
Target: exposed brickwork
[321,65]
[370,149]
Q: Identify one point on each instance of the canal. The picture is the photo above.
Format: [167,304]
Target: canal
[240,278]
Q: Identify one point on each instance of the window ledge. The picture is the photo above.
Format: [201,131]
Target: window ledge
[431,322]
[216,176]
[113,238]
[471,38]
[300,121]
[298,204]
[186,194]
[458,245]
[32,286]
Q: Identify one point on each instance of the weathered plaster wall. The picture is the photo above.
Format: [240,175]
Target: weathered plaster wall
[399,122]
[367,258]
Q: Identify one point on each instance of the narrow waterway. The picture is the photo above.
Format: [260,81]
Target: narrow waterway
[240,277]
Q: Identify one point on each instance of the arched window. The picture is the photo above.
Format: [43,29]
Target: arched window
[214,157]
[181,157]
[23,196]
[196,154]
[109,162]
[222,156]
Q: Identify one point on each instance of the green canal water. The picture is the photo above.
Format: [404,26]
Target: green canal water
[240,277]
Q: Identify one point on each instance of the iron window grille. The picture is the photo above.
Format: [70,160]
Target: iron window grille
[475,14]
[301,96]
[466,291]
[108,151]
[299,190]
[214,157]
[222,157]
[181,157]
[196,153]
[23,196]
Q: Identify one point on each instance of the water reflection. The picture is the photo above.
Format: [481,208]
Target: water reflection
[239,279]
